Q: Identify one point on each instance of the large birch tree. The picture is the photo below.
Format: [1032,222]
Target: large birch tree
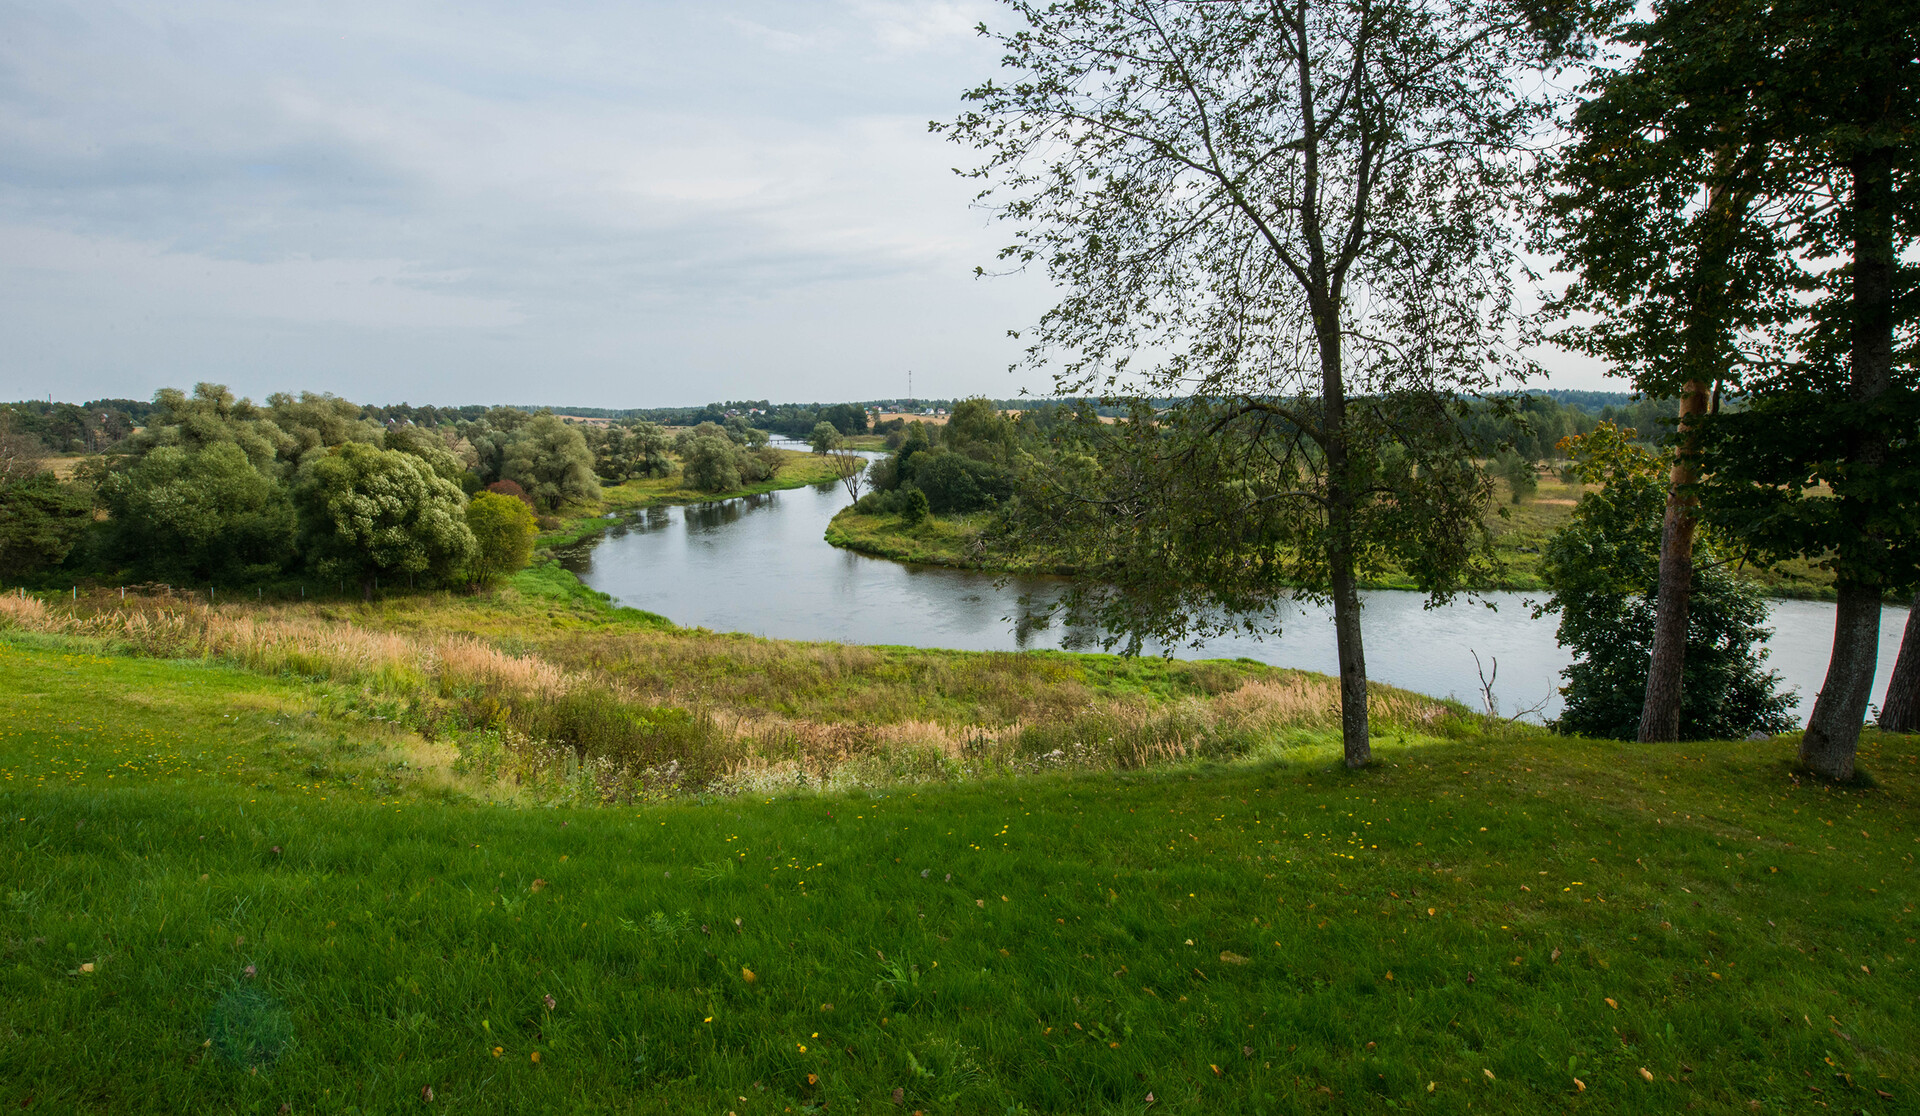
[1298,216]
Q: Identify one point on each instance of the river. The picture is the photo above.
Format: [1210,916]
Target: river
[760,565]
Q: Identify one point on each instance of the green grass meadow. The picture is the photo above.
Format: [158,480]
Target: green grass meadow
[223,892]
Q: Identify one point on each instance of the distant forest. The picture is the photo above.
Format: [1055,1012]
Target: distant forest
[101,425]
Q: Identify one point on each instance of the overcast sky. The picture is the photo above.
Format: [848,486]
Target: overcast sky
[633,203]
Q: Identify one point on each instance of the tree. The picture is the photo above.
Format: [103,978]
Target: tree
[914,508]
[1900,709]
[503,532]
[40,520]
[198,515]
[551,461]
[21,454]
[711,463]
[852,469]
[1604,570]
[1518,471]
[367,512]
[1295,211]
[1820,462]
[825,437]
[1656,214]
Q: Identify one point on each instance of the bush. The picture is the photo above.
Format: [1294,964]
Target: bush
[913,506]
[503,532]
[1604,570]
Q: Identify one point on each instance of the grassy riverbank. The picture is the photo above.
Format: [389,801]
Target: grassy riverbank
[1520,533]
[798,469]
[241,877]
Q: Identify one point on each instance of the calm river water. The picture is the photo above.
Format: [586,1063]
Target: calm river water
[760,565]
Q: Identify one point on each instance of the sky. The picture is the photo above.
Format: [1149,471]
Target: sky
[620,204]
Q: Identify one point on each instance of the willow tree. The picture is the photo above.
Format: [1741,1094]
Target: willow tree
[1297,215]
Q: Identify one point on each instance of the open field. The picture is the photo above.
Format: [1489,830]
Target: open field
[234,889]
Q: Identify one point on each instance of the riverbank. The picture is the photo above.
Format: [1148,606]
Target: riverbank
[798,469]
[1520,533]
[254,883]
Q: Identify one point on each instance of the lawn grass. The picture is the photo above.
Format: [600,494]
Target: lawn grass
[231,892]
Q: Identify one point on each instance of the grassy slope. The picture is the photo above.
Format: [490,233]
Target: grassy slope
[1443,932]
[1520,533]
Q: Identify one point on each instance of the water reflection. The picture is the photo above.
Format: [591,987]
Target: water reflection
[760,565]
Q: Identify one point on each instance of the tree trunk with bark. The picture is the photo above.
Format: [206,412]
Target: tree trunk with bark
[1342,578]
[1660,712]
[1833,730]
[1900,709]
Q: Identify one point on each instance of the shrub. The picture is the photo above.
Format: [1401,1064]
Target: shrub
[503,532]
[913,507]
[1604,570]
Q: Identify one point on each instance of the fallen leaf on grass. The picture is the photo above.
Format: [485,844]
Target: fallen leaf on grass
[1556,956]
[813,1079]
[1216,1070]
[426,1093]
[1579,1086]
[899,1096]
[1489,1074]
[1611,1004]
[746,974]
[537,885]
[1646,1073]
[1232,958]
[980,903]
[86,966]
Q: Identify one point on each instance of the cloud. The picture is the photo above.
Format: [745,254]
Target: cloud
[662,201]
[908,26]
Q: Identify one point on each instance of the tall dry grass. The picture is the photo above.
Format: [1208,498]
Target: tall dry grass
[618,715]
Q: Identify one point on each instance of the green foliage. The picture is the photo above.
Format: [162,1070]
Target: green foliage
[1604,571]
[724,458]
[710,462]
[954,482]
[196,510]
[637,449]
[914,507]
[503,533]
[825,437]
[430,447]
[367,513]
[551,461]
[40,520]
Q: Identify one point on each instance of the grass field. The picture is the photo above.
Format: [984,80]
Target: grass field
[259,890]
